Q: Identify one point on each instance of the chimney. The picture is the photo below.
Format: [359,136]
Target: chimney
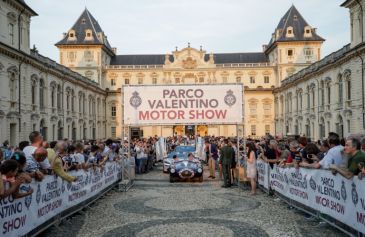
[264,47]
[114,50]
[64,34]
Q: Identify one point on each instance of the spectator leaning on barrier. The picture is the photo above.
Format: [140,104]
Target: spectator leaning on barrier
[333,156]
[311,151]
[36,140]
[324,147]
[271,155]
[361,167]
[59,165]
[353,150]
[9,170]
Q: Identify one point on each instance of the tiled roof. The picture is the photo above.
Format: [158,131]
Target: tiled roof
[86,22]
[159,59]
[293,18]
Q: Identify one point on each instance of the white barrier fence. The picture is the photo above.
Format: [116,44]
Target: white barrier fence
[51,197]
[342,199]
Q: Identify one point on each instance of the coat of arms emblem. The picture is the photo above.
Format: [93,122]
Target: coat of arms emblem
[135,100]
[230,98]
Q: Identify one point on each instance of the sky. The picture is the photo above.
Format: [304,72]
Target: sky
[158,26]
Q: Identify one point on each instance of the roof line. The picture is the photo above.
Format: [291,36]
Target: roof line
[92,24]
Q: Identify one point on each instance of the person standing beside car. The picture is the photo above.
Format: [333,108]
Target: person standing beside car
[225,161]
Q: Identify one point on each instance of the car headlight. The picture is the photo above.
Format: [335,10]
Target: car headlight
[172,170]
[200,170]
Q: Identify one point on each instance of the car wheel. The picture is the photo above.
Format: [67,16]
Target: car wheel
[172,179]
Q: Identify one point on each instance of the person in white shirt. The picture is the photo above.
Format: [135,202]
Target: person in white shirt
[334,155]
[36,140]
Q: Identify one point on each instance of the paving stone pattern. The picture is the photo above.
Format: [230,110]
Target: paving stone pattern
[155,207]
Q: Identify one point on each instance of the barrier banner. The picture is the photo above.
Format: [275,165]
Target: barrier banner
[51,197]
[333,195]
[263,172]
[183,104]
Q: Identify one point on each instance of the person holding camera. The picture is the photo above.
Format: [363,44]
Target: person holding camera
[59,164]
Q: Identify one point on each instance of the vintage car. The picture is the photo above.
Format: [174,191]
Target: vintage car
[186,170]
[181,152]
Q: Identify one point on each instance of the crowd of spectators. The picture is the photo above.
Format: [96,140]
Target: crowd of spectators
[343,156]
[36,158]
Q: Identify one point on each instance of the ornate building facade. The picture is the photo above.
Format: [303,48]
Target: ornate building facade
[81,98]
[328,95]
[294,45]
[40,94]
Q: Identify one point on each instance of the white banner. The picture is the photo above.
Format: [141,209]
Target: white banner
[51,197]
[263,173]
[334,195]
[183,104]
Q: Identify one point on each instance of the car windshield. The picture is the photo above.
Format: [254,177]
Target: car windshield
[186,149]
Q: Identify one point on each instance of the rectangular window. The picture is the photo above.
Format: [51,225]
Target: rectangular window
[266,79]
[348,126]
[114,111]
[253,130]
[329,94]
[126,81]
[290,52]
[112,81]
[177,80]
[11,33]
[71,56]
[140,80]
[252,80]
[267,129]
[308,52]
[225,79]
[154,80]
[238,79]
[88,55]
[201,80]
[349,90]
[267,109]
[253,111]
[114,132]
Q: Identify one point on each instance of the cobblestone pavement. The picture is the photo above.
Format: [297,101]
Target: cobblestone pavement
[155,207]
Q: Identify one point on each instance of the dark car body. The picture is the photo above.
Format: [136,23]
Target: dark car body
[186,170]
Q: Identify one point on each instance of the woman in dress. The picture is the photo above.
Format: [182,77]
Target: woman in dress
[251,166]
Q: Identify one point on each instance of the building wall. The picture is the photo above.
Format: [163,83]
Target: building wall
[252,77]
[331,99]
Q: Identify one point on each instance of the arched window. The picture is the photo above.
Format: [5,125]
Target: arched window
[68,93]
[12,85]
[41,94]
[60,130]
[340,90]
[72,100]
[80,102]
[33,91]
[59,104]
[322,93]
[43,129]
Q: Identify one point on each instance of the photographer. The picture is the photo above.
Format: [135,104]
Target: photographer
[333,156]
[59,165]
[271,155]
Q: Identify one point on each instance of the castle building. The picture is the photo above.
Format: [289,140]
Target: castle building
[294,45]
[81,96]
